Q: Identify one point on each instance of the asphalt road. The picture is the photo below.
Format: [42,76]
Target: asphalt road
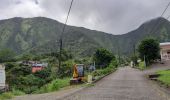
[125,84]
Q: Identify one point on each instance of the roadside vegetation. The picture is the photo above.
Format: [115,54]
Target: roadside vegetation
[164,77]
[105,63]
[22,81]
[148,51]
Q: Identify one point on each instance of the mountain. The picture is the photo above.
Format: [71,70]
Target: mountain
[41,35]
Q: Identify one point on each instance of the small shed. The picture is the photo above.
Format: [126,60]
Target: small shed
[38,67]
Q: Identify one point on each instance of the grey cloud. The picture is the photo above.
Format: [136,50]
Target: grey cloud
[112,16]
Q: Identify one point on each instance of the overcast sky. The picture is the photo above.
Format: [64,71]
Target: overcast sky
[111,16]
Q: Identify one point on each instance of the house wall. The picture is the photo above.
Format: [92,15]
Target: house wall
[165,52]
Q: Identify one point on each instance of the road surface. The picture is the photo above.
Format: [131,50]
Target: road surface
[125,84]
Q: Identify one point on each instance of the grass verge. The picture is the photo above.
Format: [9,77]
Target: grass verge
[54,85]
[9,95]
[164,77]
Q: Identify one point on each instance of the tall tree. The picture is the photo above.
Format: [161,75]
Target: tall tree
[149,49]
[103,57]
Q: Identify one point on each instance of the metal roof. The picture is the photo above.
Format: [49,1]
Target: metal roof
[165,43]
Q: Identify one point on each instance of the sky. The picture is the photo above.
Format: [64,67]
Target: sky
[111,16]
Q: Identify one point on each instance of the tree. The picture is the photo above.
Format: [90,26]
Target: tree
[6,55]
[103,57]
[27,57]
[149,49]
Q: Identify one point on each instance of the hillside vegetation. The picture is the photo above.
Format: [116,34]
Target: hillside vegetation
[41,35]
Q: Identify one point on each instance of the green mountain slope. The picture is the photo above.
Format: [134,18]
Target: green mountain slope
[40,35]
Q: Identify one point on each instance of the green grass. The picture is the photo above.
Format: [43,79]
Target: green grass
[164,77]
[17,92]
[7,95]
[54,85]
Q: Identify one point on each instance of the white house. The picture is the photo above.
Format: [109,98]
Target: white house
[2,76]
[165,51]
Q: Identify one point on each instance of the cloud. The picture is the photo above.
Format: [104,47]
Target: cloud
[112,16]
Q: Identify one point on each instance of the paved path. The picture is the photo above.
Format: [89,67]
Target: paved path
[125,84]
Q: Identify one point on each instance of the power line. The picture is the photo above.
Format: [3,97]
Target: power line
[158,22]
[61,37]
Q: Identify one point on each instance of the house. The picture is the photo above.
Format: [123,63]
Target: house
[38,67]
[165,51]
[2,77]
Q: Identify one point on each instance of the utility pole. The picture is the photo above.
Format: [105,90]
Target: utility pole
[119,53]
[144,60]
[61,36]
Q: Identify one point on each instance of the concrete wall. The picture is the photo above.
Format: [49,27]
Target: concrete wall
[2,76]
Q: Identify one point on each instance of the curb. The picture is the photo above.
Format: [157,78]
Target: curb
[102,77]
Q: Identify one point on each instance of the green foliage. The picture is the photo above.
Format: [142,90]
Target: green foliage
[6,55]
[44,74]
[134,58]
[29,83]
[27,57]
[66,69]
[164,77]
[142,65]
[111,67]
[9,65]
[5,96]
[149,48]
[17,92]
[15,72]
[103,57]
[54,85]
[9,95]
[30,35]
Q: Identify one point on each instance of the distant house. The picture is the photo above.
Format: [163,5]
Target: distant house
[2,77]
[38,67]
[165,50]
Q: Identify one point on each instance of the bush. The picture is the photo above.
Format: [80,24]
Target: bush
[17,92]
[66,69]
[44,74]
[7,95]
[112,66]
[142,65]
[28,84]
[54,85]
[103,57]
[9,65]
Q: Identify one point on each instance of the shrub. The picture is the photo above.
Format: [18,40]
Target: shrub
[17,92]
[103,57]
[54,85]
[141,65]
[44,74]
[7,95]
[29,83]
[111,67]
